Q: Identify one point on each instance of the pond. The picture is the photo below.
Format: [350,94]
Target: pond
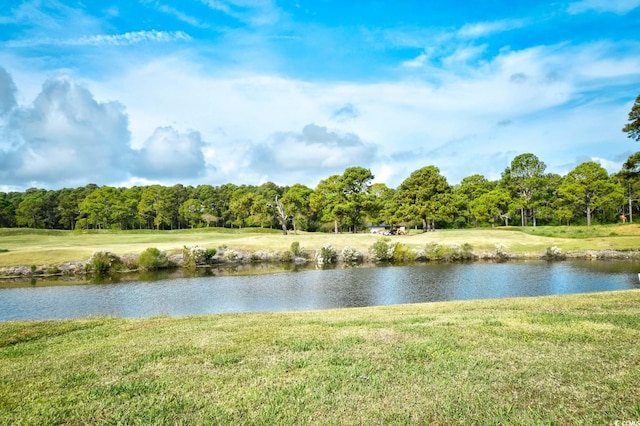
[317,289]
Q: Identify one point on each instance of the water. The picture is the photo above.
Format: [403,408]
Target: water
[317,289]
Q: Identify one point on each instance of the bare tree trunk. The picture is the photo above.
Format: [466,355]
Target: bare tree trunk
[335,225]
[535,220]
[282,216]
[588,216]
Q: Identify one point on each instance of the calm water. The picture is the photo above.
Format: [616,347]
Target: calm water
[317,289]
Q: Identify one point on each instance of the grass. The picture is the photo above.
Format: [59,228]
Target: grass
[40,247]
[552,360]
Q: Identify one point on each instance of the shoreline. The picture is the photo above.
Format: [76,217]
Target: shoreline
[230,258]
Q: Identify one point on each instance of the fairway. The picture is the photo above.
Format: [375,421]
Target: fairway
[39,247]
[550,360]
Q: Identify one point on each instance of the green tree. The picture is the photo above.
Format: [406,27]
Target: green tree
[629,179]
[588,187]
[415,198]
[296,204]
[524,178]
[69,207]
[328,201]
[379,204]
[546,198]
[632,128]
[191,212]
[470,188]
[104,207]
[241,204]
[355,182]
[31,210]
[149,206]
[492,206]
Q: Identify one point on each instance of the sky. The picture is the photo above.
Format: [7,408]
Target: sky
[139,92]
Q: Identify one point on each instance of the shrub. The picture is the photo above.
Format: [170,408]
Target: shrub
[554,253]
[500,253]
[195,256]
[231,255]
[381,250]
[402,253]
[350,255]
[326,254]
[102,261]
[152,259]
[295,249]
[467,251]
[287,257]
[433,251]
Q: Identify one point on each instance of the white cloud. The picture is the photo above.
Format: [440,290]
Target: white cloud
[169,154]
[458,124]
[129,38]
[616,6]
[65,138]
[191,20]
[256,12]
[315,151]
[610,166]
[559,102]
[7,92]
[483,29]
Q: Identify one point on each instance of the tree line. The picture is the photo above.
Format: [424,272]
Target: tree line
[525,195]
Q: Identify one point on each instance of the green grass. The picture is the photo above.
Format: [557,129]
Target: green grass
[579,232]
[552,360]
[40,247]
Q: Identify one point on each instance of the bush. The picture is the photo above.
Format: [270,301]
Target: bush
[381,250]
[433,252]
[153,259]
[442,253]
[286,257]
[295,249]
[554,253]
[350,255]
[195,256]
[402,253]
[102,261]
[231,255]
[501,253]
[326,254]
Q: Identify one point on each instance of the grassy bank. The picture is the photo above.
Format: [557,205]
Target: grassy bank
[38,247]
[552,360]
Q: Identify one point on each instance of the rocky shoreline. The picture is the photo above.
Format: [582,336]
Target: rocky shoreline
[194,258]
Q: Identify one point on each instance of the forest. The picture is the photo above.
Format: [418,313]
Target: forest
[525,195]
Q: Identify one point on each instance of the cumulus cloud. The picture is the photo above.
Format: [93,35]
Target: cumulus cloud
[65,137]
[169,154]
[7,92]
[315,150]
[68,138]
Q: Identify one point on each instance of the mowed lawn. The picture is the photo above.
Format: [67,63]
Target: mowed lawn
[39,247]
[553,360]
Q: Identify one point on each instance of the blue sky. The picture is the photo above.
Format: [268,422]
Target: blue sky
[247,91]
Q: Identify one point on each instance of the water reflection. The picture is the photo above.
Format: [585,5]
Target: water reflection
[316,289]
